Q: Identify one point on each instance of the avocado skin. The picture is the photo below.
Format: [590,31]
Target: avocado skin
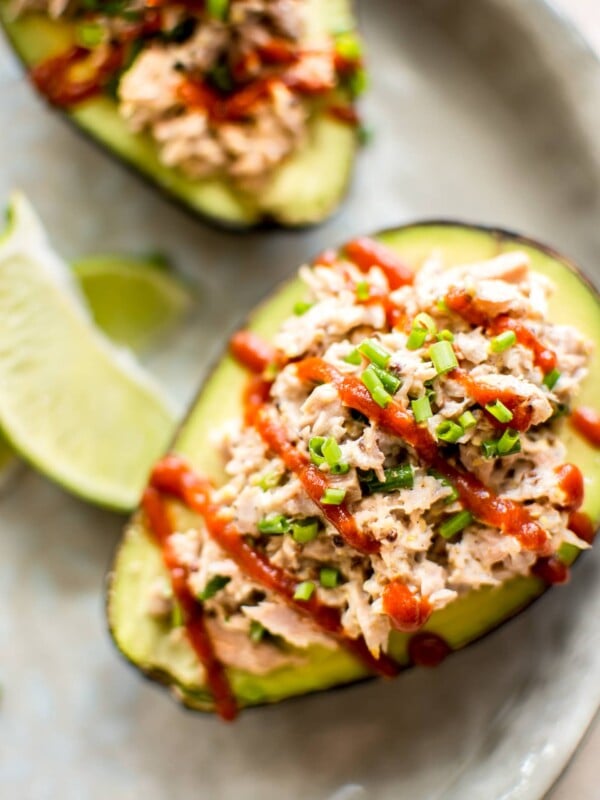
[288,199]
[137,560]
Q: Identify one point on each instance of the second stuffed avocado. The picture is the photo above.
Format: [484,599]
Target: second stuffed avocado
[405,599]
[241,111]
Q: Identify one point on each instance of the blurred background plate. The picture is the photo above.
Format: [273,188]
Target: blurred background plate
[485,111]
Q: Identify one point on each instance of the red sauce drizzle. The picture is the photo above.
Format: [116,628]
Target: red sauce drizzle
[252,352]
[586,421]
[570,481]
[520,407]
[406,611]
[173,476]
[52,76]
[367,253]
[428,649]
[192,609]
[510,517]
[551,570]
[582,526]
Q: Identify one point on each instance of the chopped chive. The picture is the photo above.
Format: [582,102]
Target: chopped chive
[509,443]
[341,468]
[551,379]
[217,9]
[315,449]
[375,386]
[449,431]
[455,524]
[329,577]
[442,305]
[445,482]
[301,307]
[213,586]
[353,357]
[269,481]
[445,336]
[377,354]
[390,382]
[363,290]
[275,525]
[424,322]
[333,456]
[304,590]
[348,45]
[257,631]
[333,496]
[416,339]
[503,341]
[499,411]
[177,620]
[401,477]
[467,420]
[89,34]
[305,530]
[443,357]
[421,408]
[489,448]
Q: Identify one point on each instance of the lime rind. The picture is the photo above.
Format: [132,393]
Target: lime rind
[73,405]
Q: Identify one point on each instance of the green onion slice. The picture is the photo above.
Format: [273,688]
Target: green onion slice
[443,357]
[301,307]
[213,586]
[353,357]
[373,382]
[416,339]
[445,336]
[333,496]
[270,480]
[489,448]
[329,577]
[390,382]
[421,408]
[424,322]
[375,352]
[304,590]
[363,290]
[551,379]
[401,477]
[449,431]
[509,443]
[455,524]
[274,525]
[467,420]
[499,411]
[257,631]
[305,530]
[503,341]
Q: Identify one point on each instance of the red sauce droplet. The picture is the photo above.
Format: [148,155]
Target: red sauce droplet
[252,352]
[551,570]
[406,611]
[586,421]
[582,526]
[570,481]
[428,649]
[367,253]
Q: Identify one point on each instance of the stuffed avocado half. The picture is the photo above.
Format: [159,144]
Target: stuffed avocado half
[241,111]
[464,593]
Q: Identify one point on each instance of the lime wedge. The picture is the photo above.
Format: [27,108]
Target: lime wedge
[132,299]
[72,404]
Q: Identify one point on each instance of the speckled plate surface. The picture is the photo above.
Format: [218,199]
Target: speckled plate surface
[486,111]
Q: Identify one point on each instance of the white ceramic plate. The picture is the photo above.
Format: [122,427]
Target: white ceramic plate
[486,111]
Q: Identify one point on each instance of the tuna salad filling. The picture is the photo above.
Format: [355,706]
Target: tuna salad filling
[399,449]
[225,88]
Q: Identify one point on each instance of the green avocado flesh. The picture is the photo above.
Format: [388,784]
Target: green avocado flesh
[147,643]
[306,189]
